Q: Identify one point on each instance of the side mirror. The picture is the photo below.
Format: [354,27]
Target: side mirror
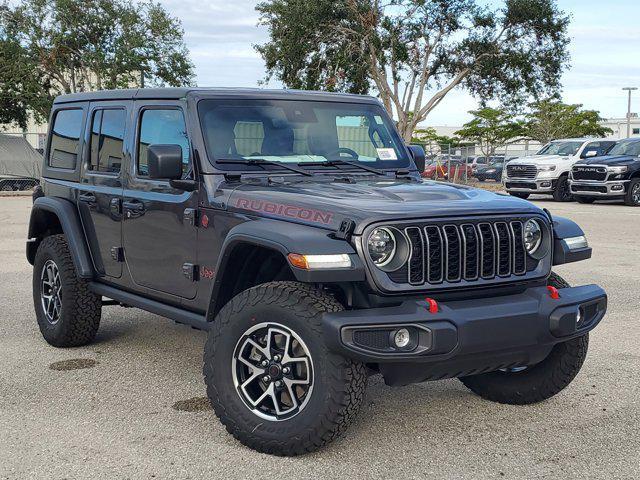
[417,152]
[591,153]
[165,162]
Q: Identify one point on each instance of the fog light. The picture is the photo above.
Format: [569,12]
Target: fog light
[545,184]
[401,338]
[616,188]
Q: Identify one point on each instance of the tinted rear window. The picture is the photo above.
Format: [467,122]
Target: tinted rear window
[65,139]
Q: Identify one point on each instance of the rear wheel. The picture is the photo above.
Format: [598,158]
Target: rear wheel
[524,196]
[562,193]
[632,198]
[270,377]
[68,313]
[534,383]
[581,199]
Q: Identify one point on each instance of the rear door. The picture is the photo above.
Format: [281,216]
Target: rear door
[100,192]
[158,229]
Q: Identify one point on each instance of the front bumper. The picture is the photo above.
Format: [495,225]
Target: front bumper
[613,188]
[465,337]
[526,185]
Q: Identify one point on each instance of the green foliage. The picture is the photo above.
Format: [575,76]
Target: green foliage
[429,135]
[491,128]
[552,119]
[406,48]
[66,46]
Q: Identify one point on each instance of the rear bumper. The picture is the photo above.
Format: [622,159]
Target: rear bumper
[465,337]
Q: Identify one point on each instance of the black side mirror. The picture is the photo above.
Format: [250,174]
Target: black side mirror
[417,152]
[165,162]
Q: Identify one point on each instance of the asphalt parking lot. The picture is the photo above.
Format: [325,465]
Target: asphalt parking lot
[118,418]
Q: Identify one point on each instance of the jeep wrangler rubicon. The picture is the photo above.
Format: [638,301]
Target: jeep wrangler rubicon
[296,229]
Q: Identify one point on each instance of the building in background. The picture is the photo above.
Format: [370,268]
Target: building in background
[619,126]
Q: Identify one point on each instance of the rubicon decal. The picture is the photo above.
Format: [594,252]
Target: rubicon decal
[283,210]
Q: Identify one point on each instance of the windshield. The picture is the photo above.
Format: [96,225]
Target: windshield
[299,132]
[560,148]
[626,148]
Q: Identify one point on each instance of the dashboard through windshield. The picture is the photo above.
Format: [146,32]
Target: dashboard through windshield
[297,133]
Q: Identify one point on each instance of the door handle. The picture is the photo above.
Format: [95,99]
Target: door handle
[87,198]
[133,208]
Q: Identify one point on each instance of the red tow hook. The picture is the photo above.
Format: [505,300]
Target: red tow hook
[553,292]
[433,305]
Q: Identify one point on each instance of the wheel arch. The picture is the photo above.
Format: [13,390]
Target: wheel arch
[255,252]
[51,216]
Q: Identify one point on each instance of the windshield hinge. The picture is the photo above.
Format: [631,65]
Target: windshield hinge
[345,230]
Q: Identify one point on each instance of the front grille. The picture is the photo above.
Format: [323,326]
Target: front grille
[449,253]
[593,173]
[522,171]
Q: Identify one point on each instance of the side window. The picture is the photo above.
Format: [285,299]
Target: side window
[162,127]
[65,139]
[600,148]
[107,141]
[354,133]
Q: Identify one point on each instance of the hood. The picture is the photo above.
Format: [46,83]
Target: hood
[538,159]
[327,204]
[611,160]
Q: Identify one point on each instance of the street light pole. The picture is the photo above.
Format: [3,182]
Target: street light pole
[629,89]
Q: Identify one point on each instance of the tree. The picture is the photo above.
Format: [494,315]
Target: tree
[66,46]
[491,128]
[551,119]
[414,52]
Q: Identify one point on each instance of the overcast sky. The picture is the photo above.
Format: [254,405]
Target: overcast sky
[605,52]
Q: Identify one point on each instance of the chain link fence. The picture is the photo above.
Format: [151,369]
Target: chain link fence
[459,163]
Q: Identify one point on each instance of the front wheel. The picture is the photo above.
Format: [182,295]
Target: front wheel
[270,377]
[632,198]
[534,383]
[562,193]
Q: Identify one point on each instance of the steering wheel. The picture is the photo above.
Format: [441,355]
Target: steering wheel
[348,151]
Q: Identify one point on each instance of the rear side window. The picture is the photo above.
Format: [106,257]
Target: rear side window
[162,127]
[107,141]
[65,139]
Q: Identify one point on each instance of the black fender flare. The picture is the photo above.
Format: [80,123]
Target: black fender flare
[67,215]
[564,228]
[287,237]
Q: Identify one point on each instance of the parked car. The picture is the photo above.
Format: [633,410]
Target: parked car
[492,171]
[547,172]
[615,176]
[477,162]
[9,183]
[311,260]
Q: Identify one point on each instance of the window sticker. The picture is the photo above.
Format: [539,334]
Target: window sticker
[386,154]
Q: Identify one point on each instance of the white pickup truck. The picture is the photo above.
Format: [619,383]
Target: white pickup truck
[547,172]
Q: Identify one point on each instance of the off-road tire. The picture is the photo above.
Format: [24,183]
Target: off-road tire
[339,383]
[538,382]
[629,196]
[585,200]
[523,196]
[81,308]
[562,192]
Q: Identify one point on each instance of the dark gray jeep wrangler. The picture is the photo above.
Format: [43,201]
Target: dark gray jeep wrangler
[295,228]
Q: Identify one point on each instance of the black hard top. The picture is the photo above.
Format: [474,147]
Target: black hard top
[200,92]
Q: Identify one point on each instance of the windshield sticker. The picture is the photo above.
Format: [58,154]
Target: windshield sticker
[386,154]
[283,210]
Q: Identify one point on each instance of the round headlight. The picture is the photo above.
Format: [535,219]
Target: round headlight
[532,236]
[382,246]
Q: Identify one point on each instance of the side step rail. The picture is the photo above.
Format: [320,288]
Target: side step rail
[174,313]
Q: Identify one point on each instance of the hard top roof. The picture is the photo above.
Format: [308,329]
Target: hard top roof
[201,92]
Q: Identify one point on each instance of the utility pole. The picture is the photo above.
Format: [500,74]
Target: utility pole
[629,89]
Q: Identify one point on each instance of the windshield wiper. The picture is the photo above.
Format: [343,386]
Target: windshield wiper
[262,161]
[333,163]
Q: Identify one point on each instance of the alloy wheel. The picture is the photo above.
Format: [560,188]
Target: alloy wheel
[51,292]
[635,194]
[272,371]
